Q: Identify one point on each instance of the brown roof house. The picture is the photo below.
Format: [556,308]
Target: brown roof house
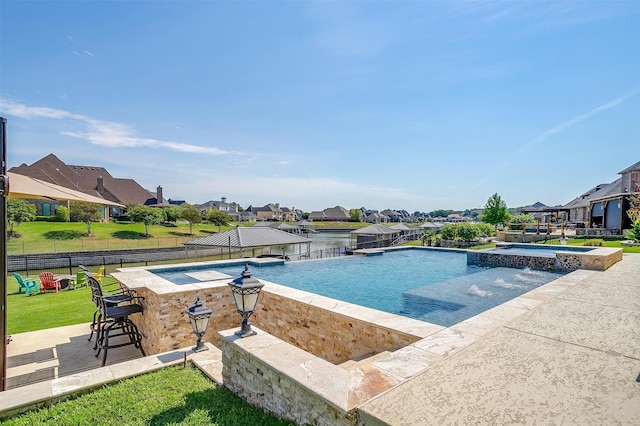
[92,180]
[333,214]
[273,212]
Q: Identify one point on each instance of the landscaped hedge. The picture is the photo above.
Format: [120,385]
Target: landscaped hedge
[466,231]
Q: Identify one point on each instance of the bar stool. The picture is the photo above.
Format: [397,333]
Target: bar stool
[112,320]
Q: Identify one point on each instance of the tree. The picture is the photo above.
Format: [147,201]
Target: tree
[145,214]
[495,211]
[84,211]
[355,214]
[19,211]
[218,218]
[191,214]
[172,213]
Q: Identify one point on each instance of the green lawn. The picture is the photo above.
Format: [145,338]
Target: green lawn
[607,243]
[48,310]
[51,237]
[171,396]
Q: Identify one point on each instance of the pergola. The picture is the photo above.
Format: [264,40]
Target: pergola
[252,237]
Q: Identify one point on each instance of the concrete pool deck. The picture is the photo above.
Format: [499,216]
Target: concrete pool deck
[575,358]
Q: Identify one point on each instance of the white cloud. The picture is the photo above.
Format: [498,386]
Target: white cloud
[104,133]
[583,117]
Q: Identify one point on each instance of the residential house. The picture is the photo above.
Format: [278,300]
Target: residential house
[92,180]
[222,205]
[331,214]
[271,212]
[607,205]
[393,215]
[375,217]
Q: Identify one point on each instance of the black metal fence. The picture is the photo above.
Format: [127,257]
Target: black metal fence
[67,263]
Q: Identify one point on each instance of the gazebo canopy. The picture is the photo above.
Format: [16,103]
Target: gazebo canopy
[249,237]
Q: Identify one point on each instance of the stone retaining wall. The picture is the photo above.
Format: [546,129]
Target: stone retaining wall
[165,326]
[295,386]
[329,335]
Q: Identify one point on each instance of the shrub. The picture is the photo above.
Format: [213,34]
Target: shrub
[593,242]
[468,231]
[634,233]
[449,231]
[62,214]
[486,229]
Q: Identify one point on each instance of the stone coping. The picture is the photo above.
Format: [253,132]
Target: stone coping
[18,400]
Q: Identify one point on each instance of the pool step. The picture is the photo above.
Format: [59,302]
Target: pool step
[366,359]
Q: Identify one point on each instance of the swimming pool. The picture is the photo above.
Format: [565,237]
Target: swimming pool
[429,285]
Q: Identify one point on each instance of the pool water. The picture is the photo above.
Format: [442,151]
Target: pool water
[533,250]
[433,286]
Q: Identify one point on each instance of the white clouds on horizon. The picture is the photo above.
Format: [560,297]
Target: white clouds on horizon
[104,133]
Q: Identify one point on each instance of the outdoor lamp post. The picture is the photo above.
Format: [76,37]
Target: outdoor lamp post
[245,293]
[199,316]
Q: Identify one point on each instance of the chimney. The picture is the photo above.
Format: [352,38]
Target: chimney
[100,186]
[159,195]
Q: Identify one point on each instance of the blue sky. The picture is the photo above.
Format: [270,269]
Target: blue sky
[415,105]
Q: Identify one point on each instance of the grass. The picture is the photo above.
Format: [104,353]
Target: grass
[48,310]
[607,243]
[174,395]
[52,237]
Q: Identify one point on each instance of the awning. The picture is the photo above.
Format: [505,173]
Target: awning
[21,186]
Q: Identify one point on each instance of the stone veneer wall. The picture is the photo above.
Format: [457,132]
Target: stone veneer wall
[329,335]
[326,334]
[165,326]
[564,261]
[511,260]
[266,386]
[572,262]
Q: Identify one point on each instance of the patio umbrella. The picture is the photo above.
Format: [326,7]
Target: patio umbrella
[21,186]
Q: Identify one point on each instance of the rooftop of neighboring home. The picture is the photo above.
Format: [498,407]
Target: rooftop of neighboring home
[628,182]
[92,180]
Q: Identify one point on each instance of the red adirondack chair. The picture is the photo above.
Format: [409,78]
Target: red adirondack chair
[47,282]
